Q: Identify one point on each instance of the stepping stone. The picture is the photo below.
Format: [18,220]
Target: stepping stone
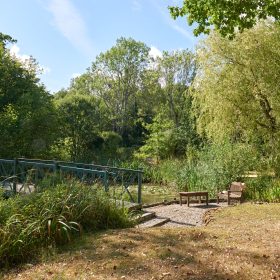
[129,205]
[146,216]
[156,222]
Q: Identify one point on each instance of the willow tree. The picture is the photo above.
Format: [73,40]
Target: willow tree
[237,89]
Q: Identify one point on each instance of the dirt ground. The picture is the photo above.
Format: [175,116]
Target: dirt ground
[240,242]
[182,215]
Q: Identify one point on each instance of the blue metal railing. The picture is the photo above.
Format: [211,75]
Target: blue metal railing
[19,170]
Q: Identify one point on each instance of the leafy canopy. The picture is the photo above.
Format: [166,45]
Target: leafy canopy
[226,16]
[27,116]
[237,89]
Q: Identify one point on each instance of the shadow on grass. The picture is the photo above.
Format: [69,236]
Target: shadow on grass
[181,253]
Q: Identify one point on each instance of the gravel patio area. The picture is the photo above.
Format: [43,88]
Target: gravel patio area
[183,216]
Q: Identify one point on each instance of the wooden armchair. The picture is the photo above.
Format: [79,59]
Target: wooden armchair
[235,192]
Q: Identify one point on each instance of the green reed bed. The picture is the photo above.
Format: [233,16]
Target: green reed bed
[31,224]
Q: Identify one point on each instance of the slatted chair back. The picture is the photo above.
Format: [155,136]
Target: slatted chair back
[237,187]
[235,192]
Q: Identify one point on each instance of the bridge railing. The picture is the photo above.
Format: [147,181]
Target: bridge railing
[116,176]
[30,171]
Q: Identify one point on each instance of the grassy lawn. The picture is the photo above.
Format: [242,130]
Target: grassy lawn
[240,242]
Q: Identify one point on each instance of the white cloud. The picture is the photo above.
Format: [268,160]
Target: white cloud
[14,50]
[69,22]
[155,52]
[25,60]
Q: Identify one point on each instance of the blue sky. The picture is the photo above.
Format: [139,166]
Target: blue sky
[65,36]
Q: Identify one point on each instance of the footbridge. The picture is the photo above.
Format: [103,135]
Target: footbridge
[17,175]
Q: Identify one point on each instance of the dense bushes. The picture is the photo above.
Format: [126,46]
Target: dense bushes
[263,188]
[53,217]
[213,168]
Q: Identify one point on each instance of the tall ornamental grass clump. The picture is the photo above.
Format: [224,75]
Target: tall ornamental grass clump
[32,223]
[263,188]
[215,167]
[165,172]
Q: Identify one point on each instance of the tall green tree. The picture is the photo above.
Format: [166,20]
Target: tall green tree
[81,123]
[226,16]
[173,127]
[116,77]
[27,113]
[237,89]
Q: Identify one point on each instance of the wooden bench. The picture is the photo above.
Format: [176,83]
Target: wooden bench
[191,194]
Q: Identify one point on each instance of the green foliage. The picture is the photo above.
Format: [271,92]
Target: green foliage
[216,166]
[263,188]
[116,77]
[81,122]
[111,143]
[226,16]
[6,39]
[173,127]
[158,143]
[236,91]
[27,115]
[52,217]
[165,172]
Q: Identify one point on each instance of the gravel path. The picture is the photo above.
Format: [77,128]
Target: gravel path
[183,216]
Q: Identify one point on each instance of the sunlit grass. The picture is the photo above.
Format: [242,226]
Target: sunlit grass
[240,243]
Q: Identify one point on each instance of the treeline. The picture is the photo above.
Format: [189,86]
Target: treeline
[131,105]
[107,113]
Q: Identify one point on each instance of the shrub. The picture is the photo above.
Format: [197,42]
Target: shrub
[164,172]
[263,188]
[215,167]
[53,217]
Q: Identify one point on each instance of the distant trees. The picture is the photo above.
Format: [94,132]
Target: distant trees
[116,77]
[138,97]
[129,103]
[81,120]
[27,115]
[125,99]
[173,127]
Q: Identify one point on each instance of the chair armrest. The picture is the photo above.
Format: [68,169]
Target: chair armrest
[234,191]
[222,192]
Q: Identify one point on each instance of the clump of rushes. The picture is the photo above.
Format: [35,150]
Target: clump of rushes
[53,217]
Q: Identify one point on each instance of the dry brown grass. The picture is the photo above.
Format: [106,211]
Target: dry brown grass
[241,242]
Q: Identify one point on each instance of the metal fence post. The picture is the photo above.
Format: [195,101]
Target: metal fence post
[15,174]
[105,181]
[139,196]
